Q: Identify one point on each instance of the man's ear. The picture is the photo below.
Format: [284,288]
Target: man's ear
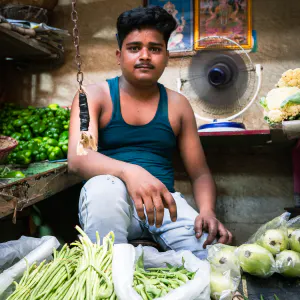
[168,56]
[118,55]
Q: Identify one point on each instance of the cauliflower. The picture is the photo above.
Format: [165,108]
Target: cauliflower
[290,78]
[276,96]
[291,110]
[275,116]
[283,102]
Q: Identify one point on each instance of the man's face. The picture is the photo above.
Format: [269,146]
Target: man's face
[143,56]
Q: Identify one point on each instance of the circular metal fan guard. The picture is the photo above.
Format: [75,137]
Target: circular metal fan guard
[227,101]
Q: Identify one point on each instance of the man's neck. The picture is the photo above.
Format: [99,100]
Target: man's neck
[139,92]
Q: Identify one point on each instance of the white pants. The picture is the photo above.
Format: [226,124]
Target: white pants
[105,206]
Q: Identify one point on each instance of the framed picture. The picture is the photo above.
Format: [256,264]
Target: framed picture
[229,18]
[182,39]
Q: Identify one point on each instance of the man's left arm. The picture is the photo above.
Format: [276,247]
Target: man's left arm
[204,189]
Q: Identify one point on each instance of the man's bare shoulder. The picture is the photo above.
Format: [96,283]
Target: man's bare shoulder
[177,99]
[97,92]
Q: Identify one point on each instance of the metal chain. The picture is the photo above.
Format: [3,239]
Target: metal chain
[78,61]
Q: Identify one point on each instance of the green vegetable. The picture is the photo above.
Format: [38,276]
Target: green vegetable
[32,145]
[293,99]
[52,142]
[18,123]
[53,106]
[35,125]
[16,136]
[156,282]
[24,157]
[27,135]
[13,174]
[55,153]
[64,136]
[263,103]
[7,173]
[81,272]
[38,127]
[64,148]
[41,156]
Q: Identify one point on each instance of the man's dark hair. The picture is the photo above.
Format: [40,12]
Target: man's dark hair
[145,17]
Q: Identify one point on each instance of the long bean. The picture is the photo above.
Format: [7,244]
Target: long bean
[81,272]
[157,282]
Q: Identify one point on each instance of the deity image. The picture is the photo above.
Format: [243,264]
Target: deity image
[176,38]
[225,17]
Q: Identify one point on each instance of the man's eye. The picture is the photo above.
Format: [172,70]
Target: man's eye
[134,49]
[155,49]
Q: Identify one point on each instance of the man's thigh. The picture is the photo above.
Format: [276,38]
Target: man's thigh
[180,235]
[104,206]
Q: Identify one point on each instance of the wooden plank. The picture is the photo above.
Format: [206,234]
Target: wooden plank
[17,195]
[235,133]
[17,46]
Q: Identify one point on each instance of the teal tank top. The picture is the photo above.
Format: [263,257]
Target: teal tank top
[150,146]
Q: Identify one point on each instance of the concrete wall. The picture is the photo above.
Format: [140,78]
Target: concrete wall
[252,187]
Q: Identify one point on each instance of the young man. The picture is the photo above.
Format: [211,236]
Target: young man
[138,124]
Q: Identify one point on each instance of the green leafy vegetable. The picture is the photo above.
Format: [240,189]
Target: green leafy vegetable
[293,99]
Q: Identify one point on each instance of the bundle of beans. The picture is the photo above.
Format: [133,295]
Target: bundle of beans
[153,283]
[80,272]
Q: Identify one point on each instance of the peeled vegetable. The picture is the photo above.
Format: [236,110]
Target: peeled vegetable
[222,257]
[219,283]
[290,231]
[288,263]
[256,260]
[295,240]
[274,240]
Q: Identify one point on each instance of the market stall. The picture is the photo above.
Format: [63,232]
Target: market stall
[34,167]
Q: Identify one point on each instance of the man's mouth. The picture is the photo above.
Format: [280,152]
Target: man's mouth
[144,66]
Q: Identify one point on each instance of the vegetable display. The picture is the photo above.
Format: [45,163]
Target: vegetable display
[80,272]
[157,282]
[42,133]
[273,248]
[283,102]
[84,269]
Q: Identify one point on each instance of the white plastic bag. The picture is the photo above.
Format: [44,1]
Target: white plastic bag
[125,257]
[225,271]
[279,222]
[13,252]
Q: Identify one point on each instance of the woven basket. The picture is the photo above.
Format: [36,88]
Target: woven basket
[7,144]
[24,12]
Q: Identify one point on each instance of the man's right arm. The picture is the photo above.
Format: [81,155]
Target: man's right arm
[144,189]
[94,163]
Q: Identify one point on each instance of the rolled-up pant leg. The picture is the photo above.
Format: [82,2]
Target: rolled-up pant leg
[105,206]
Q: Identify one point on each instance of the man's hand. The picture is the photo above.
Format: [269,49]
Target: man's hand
[147,190]
[208,221]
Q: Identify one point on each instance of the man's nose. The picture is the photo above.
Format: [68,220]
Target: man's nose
[145,54]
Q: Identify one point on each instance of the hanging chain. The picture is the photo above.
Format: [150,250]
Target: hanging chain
[78,61]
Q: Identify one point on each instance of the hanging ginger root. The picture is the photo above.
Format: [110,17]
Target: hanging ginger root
[87,140]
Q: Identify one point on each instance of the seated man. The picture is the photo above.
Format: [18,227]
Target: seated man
[138,124]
